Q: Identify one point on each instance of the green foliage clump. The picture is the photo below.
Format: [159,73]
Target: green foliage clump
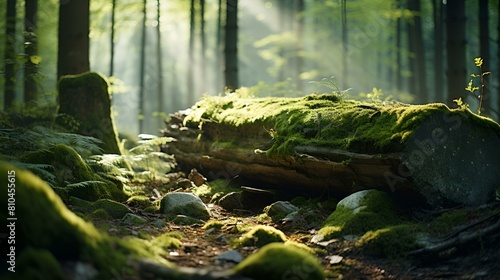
[392,242]
[261,235]
[139,201]
[447,221]
[278,261]
[170,240]
[376,211]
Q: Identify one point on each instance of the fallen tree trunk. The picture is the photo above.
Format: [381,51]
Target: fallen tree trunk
[321,144]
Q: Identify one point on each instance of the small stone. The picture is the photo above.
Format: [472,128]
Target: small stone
[179,203]
[196,177]
[158,223]
[335,259]
[280,209]
[231,201]
[185,220]
[230,256]
[133,219]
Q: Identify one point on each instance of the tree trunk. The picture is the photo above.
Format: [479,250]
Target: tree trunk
[142,69]
[231,45]
[300,46]
[203,78]
[455,48]
[10,56]
[343,8]
[439,93]
[219,85]
[112,39]
[298,144]
[484,51]
[399,78]
[422,92]
[191,62]
[73,46]
[30,49]
[85,97]
[159,63]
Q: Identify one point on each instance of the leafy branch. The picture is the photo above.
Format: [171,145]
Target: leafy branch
[471,88]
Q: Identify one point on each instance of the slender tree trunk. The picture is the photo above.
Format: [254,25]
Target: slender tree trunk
[30,49]
[455,48]
[344,43]
[300,47]
[412,49]
[10,56]
[142,69]
[73,47]
[218,51]
[281,28]
[159,63]
[438,50]
[498,71]
[203,74]
[399,79]
[420,55]
[190,78]
[484,50]
[231,45]
[112,39]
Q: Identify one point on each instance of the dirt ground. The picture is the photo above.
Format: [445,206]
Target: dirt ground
[340,258]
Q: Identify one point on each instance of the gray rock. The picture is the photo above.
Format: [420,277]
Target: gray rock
[231,201]
[280,209]
[133,219]
[114,209]
[186,220]
[354,200]
[158,223]
[178,203]
[230,256]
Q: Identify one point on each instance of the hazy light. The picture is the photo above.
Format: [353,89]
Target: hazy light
[268,5]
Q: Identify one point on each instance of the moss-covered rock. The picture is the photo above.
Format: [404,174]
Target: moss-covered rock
[45,224]
[113,208]
[139,201]
[277,261]
[179,203]
[392,242]
[262,235]
[38,264]
[85,97]
[73,177]
[359,213]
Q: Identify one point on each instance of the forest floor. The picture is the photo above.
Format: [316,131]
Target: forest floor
[340,258]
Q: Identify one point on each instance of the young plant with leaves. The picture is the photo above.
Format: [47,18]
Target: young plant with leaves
[472,89]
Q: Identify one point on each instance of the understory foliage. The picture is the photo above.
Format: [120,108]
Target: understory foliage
[143,162]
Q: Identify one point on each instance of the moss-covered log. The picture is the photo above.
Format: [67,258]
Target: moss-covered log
[85,98]
[319,143]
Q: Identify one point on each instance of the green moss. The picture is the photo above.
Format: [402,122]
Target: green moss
[278,261]
[376,211]
[69,168]
[169,240]
[54,228]
[113,208]
[218,188]
[139,201]
[321,120]
[38,264]
[261,235]
[392,242]
[300,246]
[213,224]
[99,214]
[447,221]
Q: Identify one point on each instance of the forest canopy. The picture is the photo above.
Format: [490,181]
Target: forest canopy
[161,56]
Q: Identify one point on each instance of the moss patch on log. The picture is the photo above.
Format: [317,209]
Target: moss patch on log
[321,120]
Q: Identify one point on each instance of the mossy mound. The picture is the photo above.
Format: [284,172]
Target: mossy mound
[262,235]
[374,210]
[112,208]
[85,97]
[279,261]
[392,242]
[73,177]
[45,224]
[41,263]
[320,120]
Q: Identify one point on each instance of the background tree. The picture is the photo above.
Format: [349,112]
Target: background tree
[159,63]
[112,39]
[455,49]
[10,58]
[191,60]
[231,45]
[484,49]
[343,8]
[73,43]
[438,16]
[417,54]
[30,50]
[142,71]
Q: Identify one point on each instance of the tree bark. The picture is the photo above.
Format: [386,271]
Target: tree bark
[73,46]
[231,45]
[484,51]
[142,69]
[10,56]
[455,48]
[30,49]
